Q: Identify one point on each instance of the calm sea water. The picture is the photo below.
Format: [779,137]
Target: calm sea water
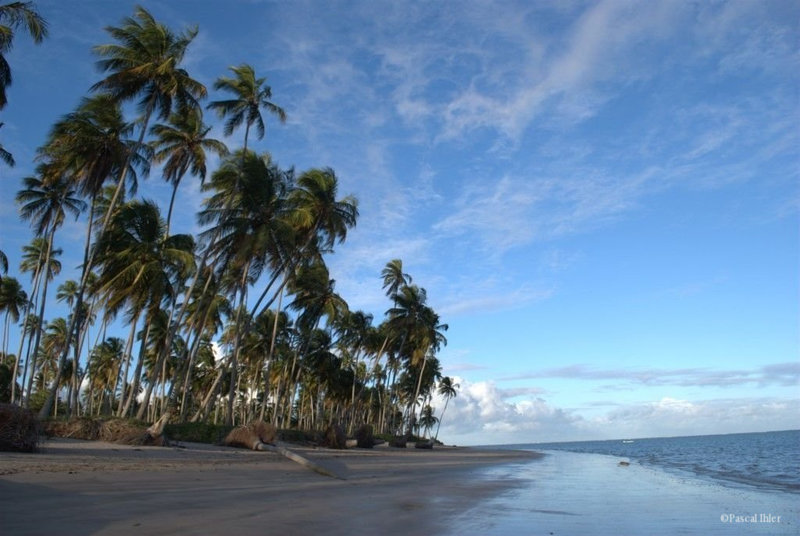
[721,485]
[765,460]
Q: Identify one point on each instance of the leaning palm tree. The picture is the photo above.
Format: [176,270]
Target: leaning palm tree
[12,16]
[182,145]
[448,390]
[141,268]
[143,64]
[250,94]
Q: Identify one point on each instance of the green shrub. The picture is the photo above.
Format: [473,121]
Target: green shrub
[197,432]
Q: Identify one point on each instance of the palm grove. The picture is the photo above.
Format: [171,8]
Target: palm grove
[240,322]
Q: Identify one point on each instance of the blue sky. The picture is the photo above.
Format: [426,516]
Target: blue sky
[601,198]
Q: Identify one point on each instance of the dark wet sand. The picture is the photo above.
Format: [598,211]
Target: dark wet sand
[82,487]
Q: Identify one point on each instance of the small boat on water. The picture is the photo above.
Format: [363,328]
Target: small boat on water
[627,440]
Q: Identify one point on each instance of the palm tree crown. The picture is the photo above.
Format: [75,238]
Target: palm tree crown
[250,95]
[12,16]
[144,64]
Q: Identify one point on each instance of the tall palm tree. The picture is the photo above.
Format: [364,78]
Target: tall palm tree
[46,204]
[182,145]
[104,364]
[140,267]
[251,94]
[143,64]
[448,389]
[12,16]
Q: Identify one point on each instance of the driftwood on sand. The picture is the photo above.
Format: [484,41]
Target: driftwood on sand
[261,436]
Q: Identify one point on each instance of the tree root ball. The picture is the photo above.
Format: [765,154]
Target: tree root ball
[251,435]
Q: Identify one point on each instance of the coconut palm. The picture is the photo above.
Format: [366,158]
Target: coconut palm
[448,390]
[143,64]
[12,300]
[90,146]
[104,366]
[251,94]
[394,278]
[140,267]
[13,16]
[45,203]
[181,144]
[427,420]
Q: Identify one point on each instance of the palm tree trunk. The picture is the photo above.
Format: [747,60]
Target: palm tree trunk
[137,373]
[128,352]
[155,374]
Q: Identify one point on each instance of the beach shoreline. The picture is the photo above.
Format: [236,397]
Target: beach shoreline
[91,487]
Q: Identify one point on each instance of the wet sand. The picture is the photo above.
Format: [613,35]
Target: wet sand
[85,487]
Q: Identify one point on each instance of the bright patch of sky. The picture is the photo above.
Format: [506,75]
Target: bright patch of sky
[601,198]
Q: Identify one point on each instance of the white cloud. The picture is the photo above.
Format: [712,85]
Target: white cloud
[482,413]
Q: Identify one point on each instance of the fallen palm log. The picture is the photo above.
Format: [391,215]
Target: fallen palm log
[261,436]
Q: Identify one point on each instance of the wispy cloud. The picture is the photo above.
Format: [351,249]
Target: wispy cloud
[783,374]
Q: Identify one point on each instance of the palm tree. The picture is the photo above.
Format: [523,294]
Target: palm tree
[427,419]
[316,211]
[251,94]
[140,267]
[420,329]
[394,278]
[104,364]
[144,63]
[45,203]
[182,145]
[448,390]
[12,16]
[12,299]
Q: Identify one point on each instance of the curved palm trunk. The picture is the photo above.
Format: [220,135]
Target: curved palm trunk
[29,336]
[72,331]
[237,343]
[128,352]
[439,425]
[156,375]
[137,373]
[412,414]
[43,299]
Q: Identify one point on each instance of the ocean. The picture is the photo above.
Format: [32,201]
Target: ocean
[711,485]
[768,460]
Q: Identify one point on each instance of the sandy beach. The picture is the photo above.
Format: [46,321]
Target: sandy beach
[86,487]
